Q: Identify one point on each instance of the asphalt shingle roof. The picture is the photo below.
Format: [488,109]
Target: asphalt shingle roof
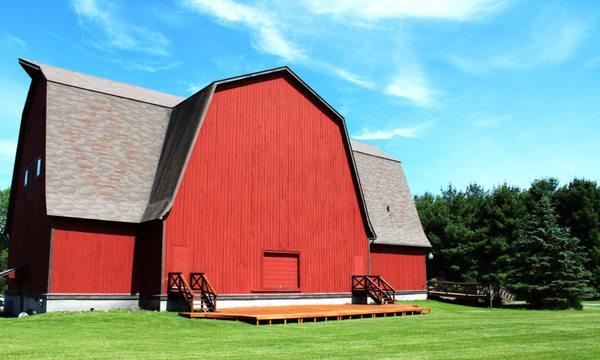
[389,202]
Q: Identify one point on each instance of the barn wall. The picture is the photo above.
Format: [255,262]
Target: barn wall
[269,172]
[403,267]
[29,227]
[92,257]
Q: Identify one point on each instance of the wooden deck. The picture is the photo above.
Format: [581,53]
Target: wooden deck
[309,313]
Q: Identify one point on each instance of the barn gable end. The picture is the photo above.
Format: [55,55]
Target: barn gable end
[271,171]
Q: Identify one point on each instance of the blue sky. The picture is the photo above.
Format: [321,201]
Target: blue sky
[485,91]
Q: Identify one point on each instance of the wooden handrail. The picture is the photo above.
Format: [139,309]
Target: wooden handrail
[177,284]
[12,270]
[375,286]
[199,282]
[469,291]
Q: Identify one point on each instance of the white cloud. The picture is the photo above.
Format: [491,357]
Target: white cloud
[549,42]
[341,73]
[411,84]
[268,36]
[117,33]
[353,78]
[409,132]
[461,10]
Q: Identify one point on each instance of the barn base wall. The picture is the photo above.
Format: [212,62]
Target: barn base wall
[40,303]
[408,296]
[35,303]
[88,305]
[231,301]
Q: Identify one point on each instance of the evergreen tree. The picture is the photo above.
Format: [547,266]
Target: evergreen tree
[578,207]
[548,261]
[504,217]
[4,196]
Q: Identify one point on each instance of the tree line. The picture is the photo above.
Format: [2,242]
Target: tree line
[4,196]
[543,243]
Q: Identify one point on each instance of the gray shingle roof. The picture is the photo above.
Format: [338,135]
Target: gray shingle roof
[182,132]
[384,185]
[102,150]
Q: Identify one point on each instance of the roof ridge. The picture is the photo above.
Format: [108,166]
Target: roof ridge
[103,85]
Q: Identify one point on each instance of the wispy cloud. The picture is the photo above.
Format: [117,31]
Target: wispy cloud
[408,132]
[194,88]
[395,9]
[411,84]
[268,36]
[111,33]
[549,42]
[593,63]
[341,73]
[147,65]
[490,121]
[13,43]
[353,78]
[117,33]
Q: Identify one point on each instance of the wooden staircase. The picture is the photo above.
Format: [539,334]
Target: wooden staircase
[197,296]
[375,287]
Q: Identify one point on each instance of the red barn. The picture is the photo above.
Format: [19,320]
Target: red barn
[253,181]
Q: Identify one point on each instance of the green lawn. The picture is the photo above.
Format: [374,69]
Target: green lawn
[450,331]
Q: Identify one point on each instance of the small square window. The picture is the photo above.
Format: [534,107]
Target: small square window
[38,167]
[26,178]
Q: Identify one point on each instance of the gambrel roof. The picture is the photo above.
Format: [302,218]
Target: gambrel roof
[117,152]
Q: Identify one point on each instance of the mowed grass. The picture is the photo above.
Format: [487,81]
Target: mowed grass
[450,331]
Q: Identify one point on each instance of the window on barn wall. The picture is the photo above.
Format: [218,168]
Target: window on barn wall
[26,177]
[38,167]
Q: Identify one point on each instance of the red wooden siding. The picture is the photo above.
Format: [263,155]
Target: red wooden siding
[269,171]
[29,227]
[280,271]
[92,257]
[402,267]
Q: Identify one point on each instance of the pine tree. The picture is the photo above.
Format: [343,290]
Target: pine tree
[548,268]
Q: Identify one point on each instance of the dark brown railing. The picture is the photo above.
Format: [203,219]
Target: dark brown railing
[197,292]
[178,285]
[375,286]
[199,283]
[8,272]
[464,290]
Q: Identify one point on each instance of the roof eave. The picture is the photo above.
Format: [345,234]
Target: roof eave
[402,244]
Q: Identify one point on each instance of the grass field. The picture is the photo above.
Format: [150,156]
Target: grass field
[450,331]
